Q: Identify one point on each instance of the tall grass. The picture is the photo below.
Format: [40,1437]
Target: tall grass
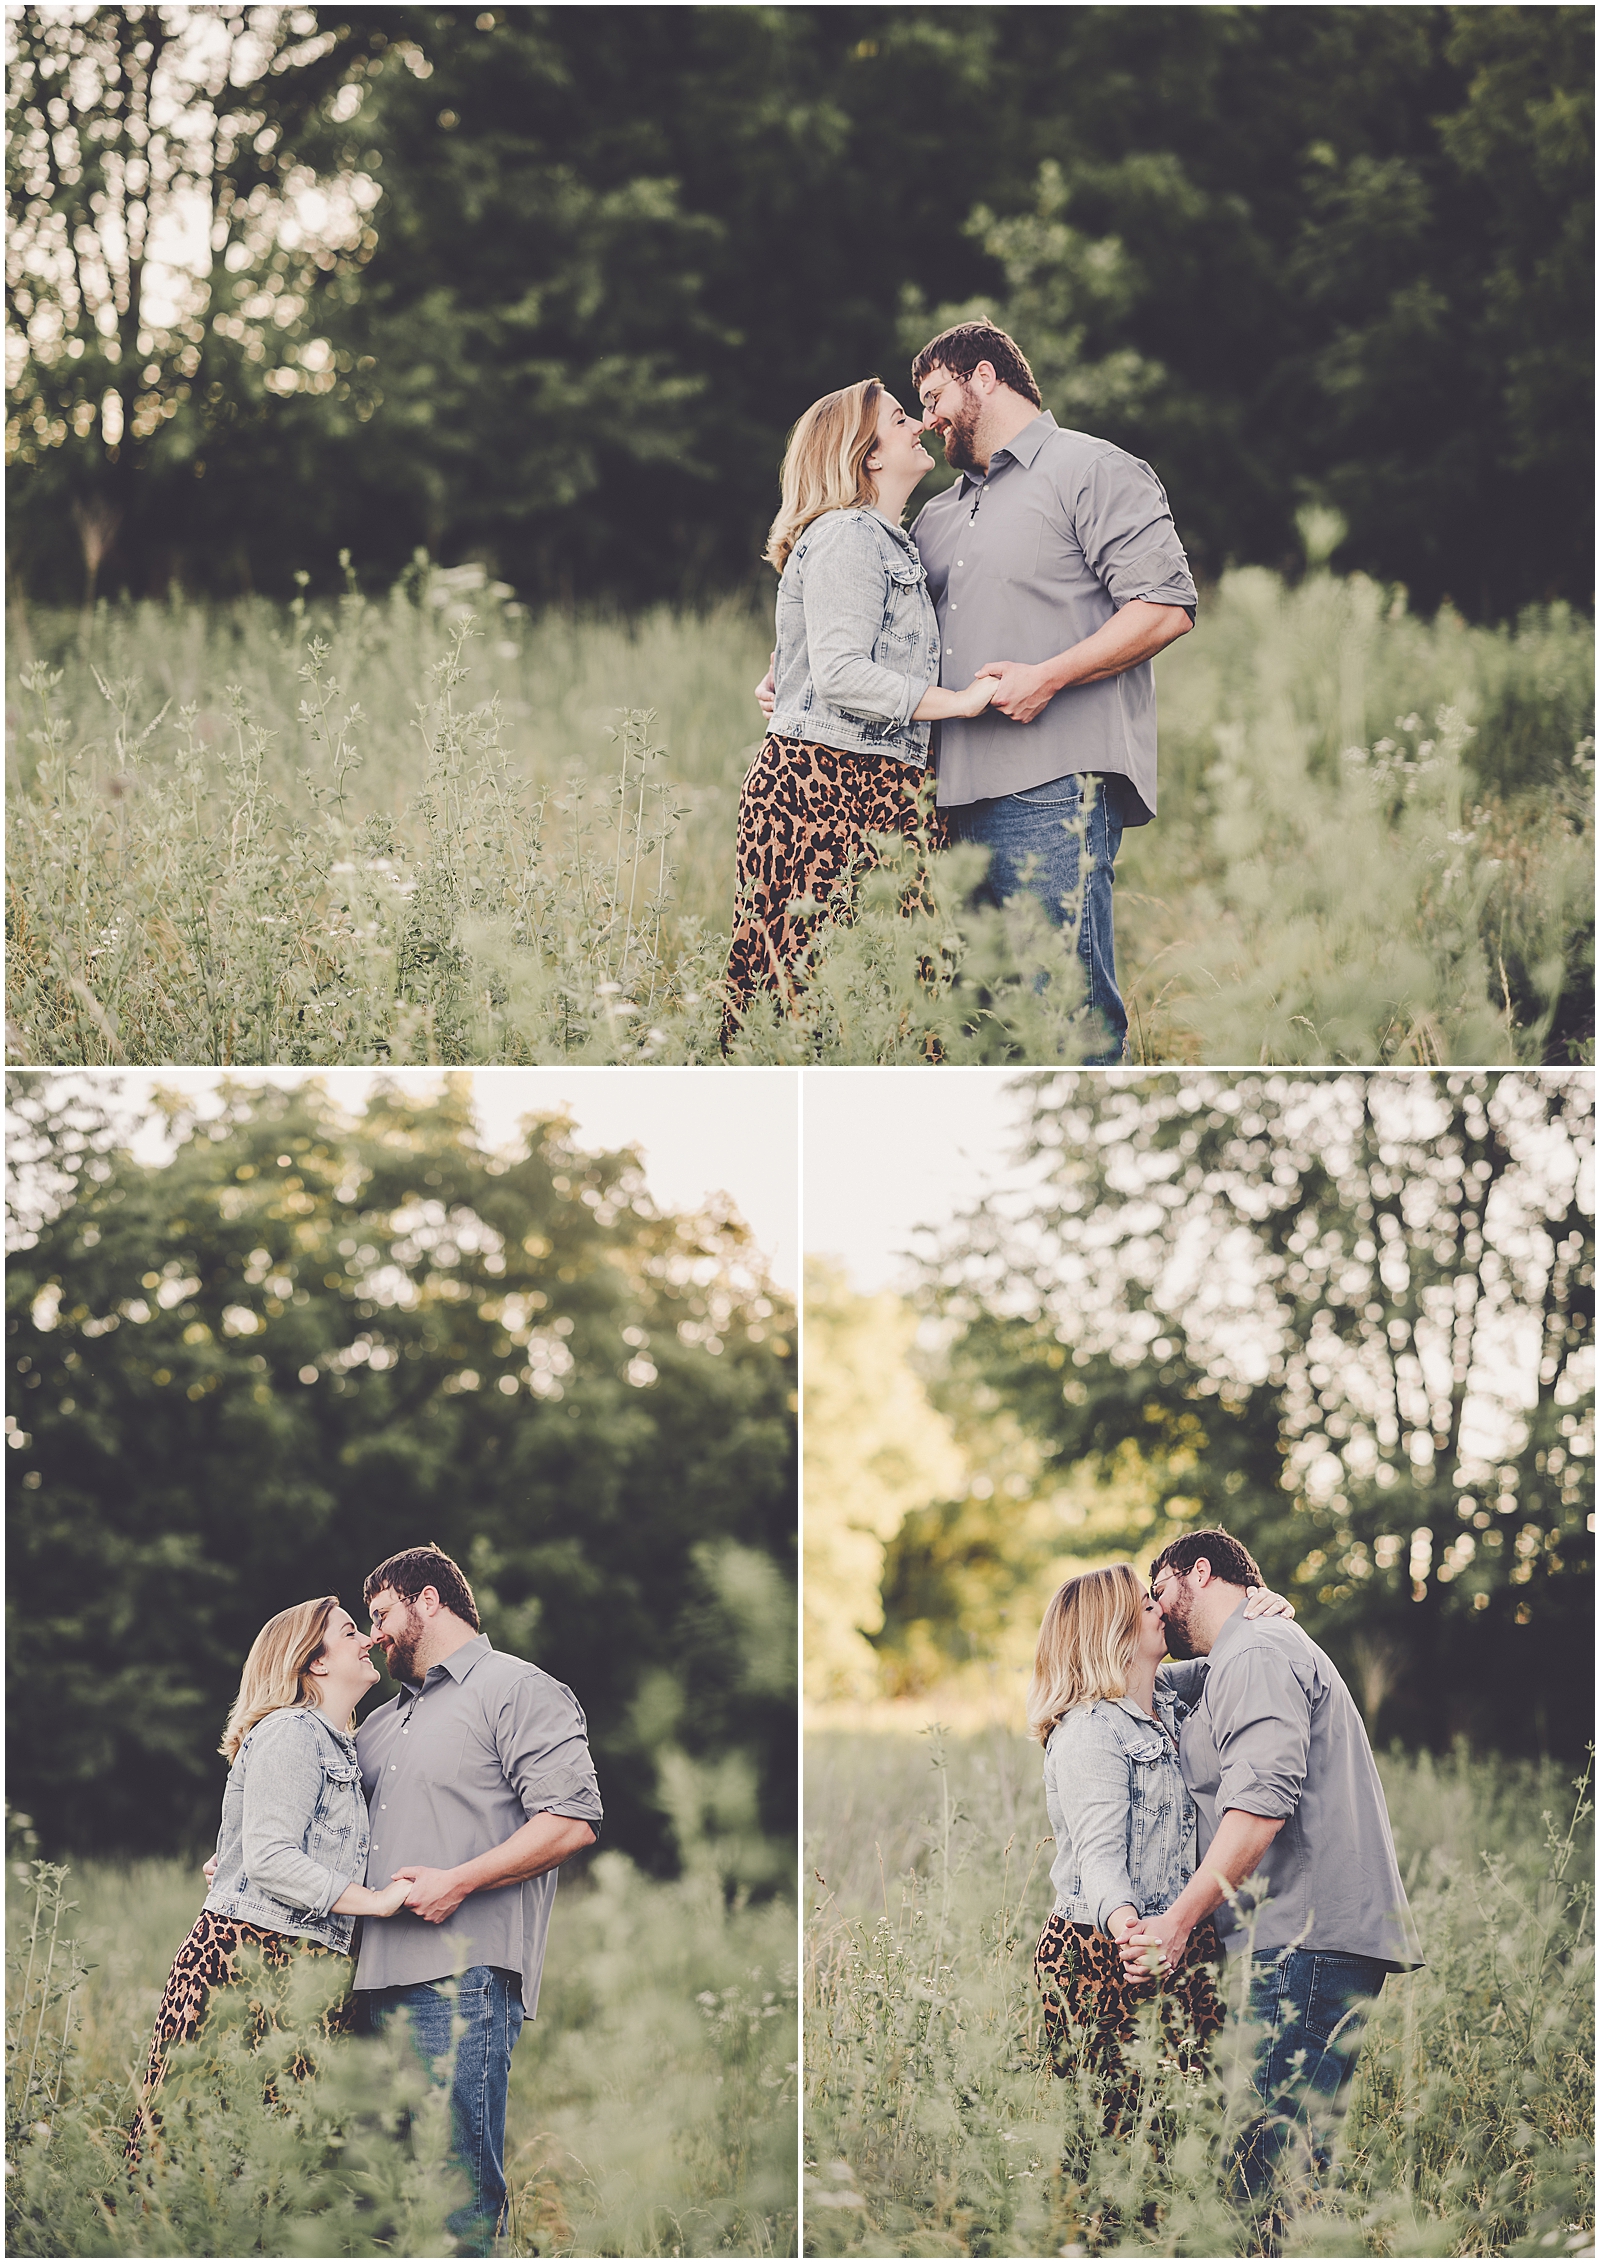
[432,828]
[652,2107]
[933,2126]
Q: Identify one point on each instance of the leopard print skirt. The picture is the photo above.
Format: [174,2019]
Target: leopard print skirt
[805,814]
[1089,2002]
[209,1959]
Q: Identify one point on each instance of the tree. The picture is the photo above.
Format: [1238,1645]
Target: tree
[185,192]
[246,1375]
[875,1449]
[1350,1318]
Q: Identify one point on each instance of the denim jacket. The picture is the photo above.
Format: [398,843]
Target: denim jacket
[1114,1792]
[857,638]
[294,1828]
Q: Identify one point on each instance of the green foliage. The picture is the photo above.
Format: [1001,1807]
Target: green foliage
[1288,255]
[254,1370]
[935,2127]
[1350,1320]
[166,284]
[348,855]
[651,2108]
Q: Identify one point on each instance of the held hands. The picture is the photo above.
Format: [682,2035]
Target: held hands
[1153,1948]
[1263,1604]
[975,698]
[1020,691]
[433,1894]
[387,1899]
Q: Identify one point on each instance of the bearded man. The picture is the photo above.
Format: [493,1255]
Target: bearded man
[479,1785]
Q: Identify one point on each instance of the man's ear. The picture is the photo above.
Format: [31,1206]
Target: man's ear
[428,1602]
[1200,1571]
[984,369]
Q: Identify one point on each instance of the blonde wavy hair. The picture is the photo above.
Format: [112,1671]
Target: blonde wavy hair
[1086,1644]
[824,465]
[276,1672]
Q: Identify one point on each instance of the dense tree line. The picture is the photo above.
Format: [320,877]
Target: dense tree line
[567,275]
[244,1376]
[1349,1318]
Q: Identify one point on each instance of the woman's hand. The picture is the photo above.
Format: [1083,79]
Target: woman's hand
[1263,1604]
[976,697]
[373,1901]
[1120,1922]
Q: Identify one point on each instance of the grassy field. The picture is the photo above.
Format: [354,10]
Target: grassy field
[933,2130]
[432,828]
[652,2105]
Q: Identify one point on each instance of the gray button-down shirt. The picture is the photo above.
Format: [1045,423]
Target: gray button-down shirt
[451,1767]
[1276,1733]
[1026,562]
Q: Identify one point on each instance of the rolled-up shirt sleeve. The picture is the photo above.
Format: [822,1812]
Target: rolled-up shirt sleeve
[282,1783]
[1091,1780]
[543,1742]
[1261,1718]
[1124,523]
[842,591]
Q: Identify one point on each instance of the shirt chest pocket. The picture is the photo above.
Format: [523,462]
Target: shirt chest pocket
[1045,548]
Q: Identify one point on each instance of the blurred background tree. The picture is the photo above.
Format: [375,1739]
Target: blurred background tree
[245,1375]
[1349,1318]
[593,262]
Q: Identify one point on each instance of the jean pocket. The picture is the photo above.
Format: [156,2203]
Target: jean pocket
[1056,793]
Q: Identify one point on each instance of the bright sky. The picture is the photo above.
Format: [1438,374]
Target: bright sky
[888,1150]
[735,1133]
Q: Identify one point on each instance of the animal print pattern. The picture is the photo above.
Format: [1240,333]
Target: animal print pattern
[805,813]
[209,1960]
[1089,2003]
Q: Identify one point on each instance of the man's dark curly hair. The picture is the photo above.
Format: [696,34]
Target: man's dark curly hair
[1228,1559]
[961,349]
[416,1568]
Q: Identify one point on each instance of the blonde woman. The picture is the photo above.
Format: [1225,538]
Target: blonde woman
[1107,1711]
[855,678]
[292,1844]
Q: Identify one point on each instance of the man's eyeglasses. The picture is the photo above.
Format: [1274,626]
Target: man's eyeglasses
[930,401]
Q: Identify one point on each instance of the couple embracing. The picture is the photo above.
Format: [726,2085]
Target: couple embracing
[1169,1786]
[1018,616]
[439,1825]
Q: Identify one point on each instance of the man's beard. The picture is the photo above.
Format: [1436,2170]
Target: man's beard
[959,452]
[1180,1644]
[402,1657]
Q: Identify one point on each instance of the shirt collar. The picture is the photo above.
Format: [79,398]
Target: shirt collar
[458,1665]
[1023,445]
[1229,1631]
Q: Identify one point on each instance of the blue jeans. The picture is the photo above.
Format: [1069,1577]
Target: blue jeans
[1032,838]
[490,2002]
[1311,2005]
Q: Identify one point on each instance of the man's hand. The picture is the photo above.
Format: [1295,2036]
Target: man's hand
[767,690]
[435,1894]
[1022,691]
[1155,1945]
[211,1872]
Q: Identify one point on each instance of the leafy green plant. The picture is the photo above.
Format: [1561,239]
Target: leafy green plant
[384,841]
[934,2125]
[652,2107]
